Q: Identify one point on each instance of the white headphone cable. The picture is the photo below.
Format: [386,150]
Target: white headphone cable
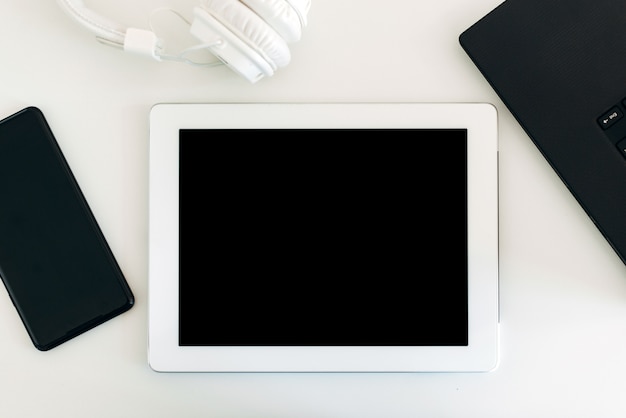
[181,56]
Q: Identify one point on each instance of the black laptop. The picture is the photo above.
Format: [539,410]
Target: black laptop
[560,68]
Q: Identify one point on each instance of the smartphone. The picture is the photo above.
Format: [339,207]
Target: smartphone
[55,263]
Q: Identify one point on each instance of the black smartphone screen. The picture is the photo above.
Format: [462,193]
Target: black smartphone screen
[54,260]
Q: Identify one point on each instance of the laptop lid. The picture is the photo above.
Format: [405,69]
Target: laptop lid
[559,67]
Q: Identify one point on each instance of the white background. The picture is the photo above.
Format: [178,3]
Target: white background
[563,290]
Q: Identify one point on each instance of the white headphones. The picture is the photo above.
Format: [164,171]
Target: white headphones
[249,36]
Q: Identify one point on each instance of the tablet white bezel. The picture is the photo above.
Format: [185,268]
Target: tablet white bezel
[480,120]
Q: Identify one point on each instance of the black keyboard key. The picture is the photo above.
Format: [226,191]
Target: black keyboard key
[610,118]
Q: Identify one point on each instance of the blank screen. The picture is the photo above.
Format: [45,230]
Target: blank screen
[323,237]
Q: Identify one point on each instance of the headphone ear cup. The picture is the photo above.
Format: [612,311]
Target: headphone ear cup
[280,15]
[251,29]
[302,8]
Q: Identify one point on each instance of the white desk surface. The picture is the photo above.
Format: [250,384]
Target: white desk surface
[563,290]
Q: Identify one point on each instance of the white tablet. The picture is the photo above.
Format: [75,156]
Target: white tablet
[339,237]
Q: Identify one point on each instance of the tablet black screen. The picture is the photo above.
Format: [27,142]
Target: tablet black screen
[325,237]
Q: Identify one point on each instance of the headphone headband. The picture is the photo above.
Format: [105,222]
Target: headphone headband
[102,27]
[246,51]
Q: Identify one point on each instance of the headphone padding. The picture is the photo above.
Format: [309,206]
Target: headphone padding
[280,15]
[301,7]
[251,28]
